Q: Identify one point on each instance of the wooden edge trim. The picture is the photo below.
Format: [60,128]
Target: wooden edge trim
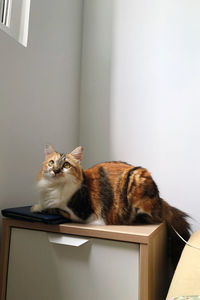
[79,230]
[158,229]
[4,257]
[143,273]
[153,266]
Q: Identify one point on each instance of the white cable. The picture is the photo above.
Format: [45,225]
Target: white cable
[185,240]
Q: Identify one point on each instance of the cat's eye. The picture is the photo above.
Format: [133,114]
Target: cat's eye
[66,165]
[50,163]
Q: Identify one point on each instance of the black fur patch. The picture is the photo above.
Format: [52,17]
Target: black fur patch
[80,202]
[127,206]
[125,187]
[141,218]
[151,190]
[117,162]
[105,192]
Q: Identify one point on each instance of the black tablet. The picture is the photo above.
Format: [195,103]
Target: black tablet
[24,213]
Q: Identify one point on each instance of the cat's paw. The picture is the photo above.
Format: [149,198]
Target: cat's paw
[65,214]
[36,208]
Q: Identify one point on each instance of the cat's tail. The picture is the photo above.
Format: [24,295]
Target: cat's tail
[176,222]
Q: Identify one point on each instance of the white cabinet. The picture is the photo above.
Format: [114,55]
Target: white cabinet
[98,269]
[82,262]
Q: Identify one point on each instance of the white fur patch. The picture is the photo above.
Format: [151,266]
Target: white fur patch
[56,194]
[93,220]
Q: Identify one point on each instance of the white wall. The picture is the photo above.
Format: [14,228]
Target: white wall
[139,92]
[39,95]
[150,113]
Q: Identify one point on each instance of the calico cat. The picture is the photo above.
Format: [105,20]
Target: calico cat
[114,193]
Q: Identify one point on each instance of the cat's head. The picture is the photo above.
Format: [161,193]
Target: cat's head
[62,167]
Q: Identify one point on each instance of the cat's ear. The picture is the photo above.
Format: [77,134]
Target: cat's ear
[48,149]
[77,153]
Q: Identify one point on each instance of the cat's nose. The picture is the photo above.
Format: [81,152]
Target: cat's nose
[57,171]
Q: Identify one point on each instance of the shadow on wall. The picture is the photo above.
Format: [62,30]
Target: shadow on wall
[95,81]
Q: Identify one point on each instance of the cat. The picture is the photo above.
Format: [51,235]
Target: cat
[114,193]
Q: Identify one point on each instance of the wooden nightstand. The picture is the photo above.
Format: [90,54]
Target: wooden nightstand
[76,261]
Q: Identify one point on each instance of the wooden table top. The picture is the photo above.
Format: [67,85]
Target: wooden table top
[131,233]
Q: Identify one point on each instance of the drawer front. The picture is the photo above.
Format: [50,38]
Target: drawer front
[43,266]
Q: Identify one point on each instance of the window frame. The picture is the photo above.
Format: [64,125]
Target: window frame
[18,20]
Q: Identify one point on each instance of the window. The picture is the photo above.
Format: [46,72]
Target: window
[14,19]
[5,12]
